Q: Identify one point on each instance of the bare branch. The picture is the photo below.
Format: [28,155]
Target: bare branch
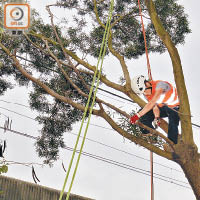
[64,72]
[66,55]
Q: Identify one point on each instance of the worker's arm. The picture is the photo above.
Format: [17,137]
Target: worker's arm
[148,106]
[151,103]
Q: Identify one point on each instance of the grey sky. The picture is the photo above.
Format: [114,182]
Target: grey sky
[97,179]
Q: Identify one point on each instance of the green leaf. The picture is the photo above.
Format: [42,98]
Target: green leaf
[3,169]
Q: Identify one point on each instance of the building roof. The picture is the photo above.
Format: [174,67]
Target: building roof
[14,189]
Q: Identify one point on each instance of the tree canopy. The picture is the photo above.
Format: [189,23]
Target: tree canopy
[56,59]
[57,56]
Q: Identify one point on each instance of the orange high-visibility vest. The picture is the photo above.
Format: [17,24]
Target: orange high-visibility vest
[169,98]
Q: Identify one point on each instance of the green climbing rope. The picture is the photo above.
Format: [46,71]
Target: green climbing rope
[101,58]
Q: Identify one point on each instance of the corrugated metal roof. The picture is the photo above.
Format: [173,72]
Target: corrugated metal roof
[14,189]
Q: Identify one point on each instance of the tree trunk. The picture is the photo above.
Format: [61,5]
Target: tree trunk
[188,158]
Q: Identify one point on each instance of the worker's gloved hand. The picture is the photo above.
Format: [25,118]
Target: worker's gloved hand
[134,119]
[156,122]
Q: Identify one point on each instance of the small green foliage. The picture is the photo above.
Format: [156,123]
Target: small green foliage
[3,169]
[136,131]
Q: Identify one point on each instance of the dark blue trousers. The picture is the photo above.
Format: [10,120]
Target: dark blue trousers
[173,118]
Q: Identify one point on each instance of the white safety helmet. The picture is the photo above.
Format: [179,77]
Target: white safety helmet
[138,84]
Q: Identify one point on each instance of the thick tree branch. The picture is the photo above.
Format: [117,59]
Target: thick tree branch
[115,53]
[186,127]
[122,62]
[42,85]
[152,131]
[83,63]
[97,15]
[134,139]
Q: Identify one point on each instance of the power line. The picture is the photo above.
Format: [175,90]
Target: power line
[116,95]
[193,124]
[196,125]
[102,143]
[18,113]
[26,116]
[131,154]
[15,103]
[114,98]
[129,167]
[116,163]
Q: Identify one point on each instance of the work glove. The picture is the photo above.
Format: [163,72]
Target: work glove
[156,122]
[134,119]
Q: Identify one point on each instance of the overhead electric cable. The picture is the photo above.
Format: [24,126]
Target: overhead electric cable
[26,116]
[119,164]
[115,99]
[128,153]
[15,103]
[116,95]
[195,125]
[126,166]
[18,113]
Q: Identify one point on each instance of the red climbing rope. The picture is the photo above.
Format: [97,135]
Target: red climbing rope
[151,163]
[145,42]
[150,78]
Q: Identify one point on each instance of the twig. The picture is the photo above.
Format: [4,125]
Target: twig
[62,47]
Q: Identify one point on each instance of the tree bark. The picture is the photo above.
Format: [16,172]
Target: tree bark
[188,158]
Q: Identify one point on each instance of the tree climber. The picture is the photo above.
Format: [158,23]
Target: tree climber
[162,102]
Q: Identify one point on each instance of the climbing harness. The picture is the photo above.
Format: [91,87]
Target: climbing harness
[101,58]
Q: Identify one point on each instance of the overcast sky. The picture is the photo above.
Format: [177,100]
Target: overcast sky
[97,179]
